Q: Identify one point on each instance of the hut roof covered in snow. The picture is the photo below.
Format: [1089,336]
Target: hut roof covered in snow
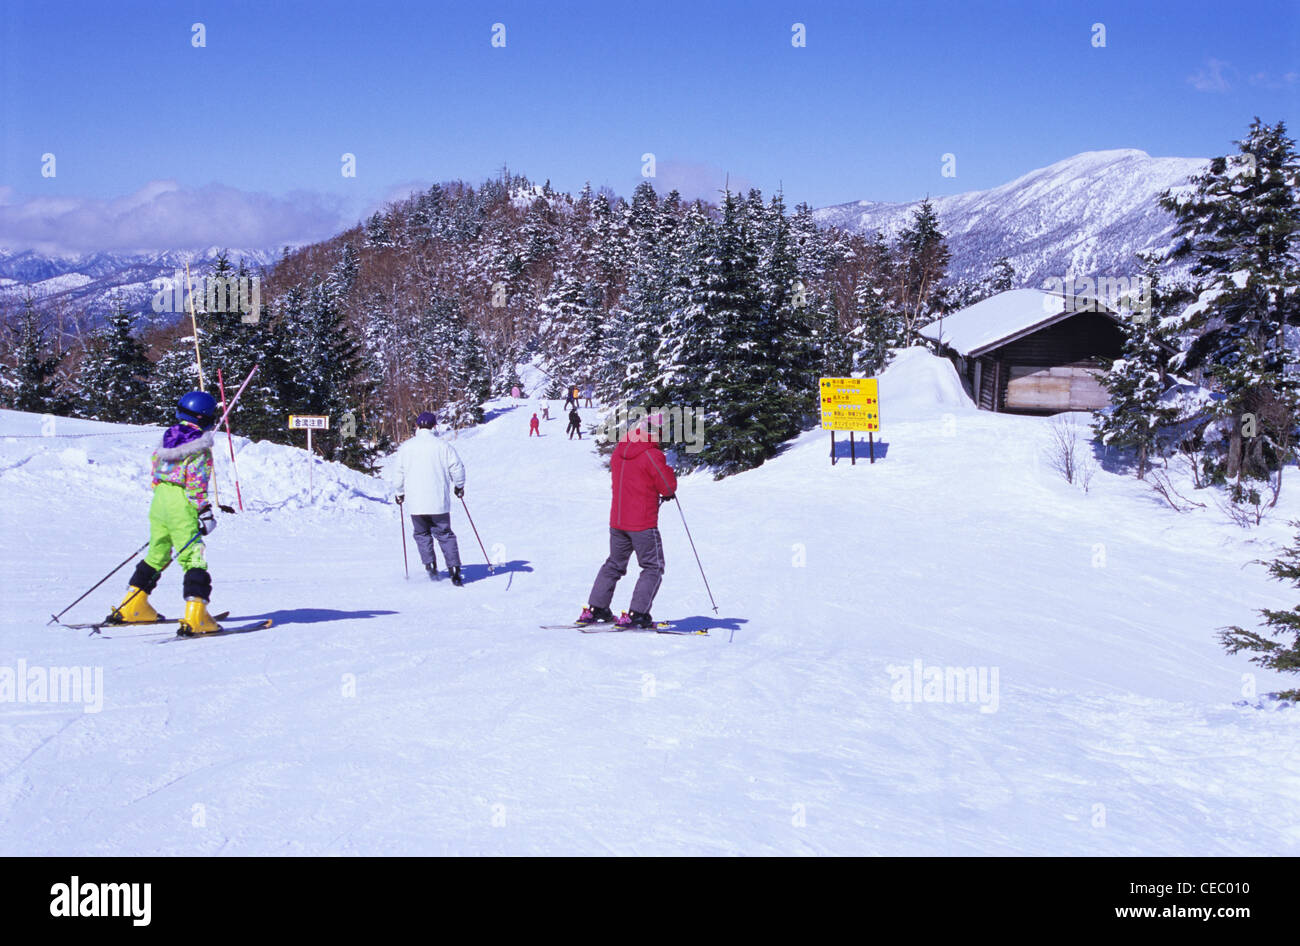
[1004,318]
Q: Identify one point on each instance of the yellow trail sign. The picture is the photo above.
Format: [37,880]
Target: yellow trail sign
[850,404]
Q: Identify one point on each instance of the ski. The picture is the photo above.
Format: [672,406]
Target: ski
[99,625]
[246,629]
[660,627]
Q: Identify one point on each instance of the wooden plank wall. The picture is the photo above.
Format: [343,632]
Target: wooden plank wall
[1052,370]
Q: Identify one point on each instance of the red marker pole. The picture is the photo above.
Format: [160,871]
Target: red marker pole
[221,386]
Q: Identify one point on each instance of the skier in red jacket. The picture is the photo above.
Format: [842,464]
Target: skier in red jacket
[534,426]
[641,480]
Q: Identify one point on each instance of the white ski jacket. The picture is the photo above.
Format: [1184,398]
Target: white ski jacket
[427,468]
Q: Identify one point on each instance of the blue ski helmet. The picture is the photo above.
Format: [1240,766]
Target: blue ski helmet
[426,420]
[199,408]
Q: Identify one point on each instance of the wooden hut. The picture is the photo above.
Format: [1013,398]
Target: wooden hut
[1031,352]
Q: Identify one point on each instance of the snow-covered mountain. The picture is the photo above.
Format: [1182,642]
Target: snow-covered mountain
[93,280]
[1084,216]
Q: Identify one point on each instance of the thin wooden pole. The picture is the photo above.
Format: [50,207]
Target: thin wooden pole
[871,439]
[194,324]
[853,451]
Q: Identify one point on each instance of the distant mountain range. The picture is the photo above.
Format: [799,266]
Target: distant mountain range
[95,280]
[1084,216]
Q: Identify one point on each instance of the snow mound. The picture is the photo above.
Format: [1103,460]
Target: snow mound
[919,385]
[100,459]
[273,476]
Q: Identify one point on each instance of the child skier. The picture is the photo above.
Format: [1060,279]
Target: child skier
[641,480]
[534,426]
[425,467]
[575,424]
[178,515]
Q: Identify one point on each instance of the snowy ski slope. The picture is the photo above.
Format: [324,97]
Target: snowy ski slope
[385,716]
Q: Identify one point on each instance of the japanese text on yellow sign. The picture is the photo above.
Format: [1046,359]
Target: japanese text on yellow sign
[850,404]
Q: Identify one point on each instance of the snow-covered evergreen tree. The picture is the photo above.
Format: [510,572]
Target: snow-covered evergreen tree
[470,379]
[1240,224]
[726,371]
[113,384]
[924,265]
[1282,655]
[789,392]
[1136,380]
[834,346]
[34,387]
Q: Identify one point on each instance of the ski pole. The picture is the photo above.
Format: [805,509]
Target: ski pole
[697,554]
[491,567]
[401,525]
[54,618]
[221,386]
[127,600]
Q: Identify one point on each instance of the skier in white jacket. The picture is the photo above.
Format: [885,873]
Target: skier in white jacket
[427,468]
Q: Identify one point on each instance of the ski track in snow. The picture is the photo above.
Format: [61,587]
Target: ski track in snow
[472,731]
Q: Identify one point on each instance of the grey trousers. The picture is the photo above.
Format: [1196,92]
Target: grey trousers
[428,528]
[649,555]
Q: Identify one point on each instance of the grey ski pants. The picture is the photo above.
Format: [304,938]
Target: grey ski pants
[649,555]
[428,528]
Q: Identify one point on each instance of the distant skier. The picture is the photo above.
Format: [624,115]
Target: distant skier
[546,411]
[426,467]
[571,399]
[534,426]
[575,424]
[641,479]
[514,392]
[179,512]
[587,392]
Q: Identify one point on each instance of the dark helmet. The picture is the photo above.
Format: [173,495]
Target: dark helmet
[199,408]
[426,420]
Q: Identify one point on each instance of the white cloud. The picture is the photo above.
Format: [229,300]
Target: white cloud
[1212,78]
[162,216]
[1269,81]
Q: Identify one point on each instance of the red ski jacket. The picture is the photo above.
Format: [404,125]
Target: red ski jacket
[641,475]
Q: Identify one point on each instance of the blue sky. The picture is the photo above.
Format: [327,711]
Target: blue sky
[145,126]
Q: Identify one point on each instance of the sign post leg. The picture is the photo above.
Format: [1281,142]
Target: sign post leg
[832,448]
[311,463]
[853,451]
[872,440]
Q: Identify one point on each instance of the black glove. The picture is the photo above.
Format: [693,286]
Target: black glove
[401,497]
[207,521]
[460,491]
[667,499]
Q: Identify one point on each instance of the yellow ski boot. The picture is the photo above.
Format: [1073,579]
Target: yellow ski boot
[134,609]
[196,620]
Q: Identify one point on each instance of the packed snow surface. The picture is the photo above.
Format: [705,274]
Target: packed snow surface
[381,715]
